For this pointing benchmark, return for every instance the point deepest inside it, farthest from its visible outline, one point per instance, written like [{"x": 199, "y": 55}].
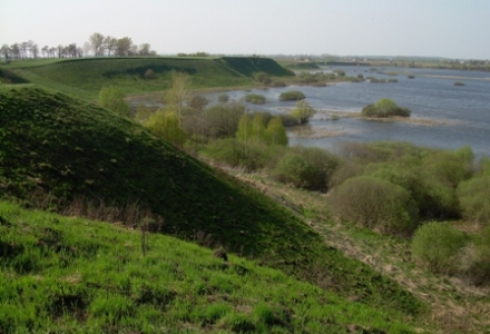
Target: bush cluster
[
  {"x": 437, "y": 246},
  {"x": 292, "y": 95},
  {"x": 384, "y": 108},
  {"x": 255, "y": 98},
  {"x": 435, "y": 180},
  {"x": 375, "y": 203}
]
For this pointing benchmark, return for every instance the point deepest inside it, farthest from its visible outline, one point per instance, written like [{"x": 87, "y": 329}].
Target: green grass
[
  {"x": 85, "y": 77},
  {"x": 74, "y": 275},
  {"x": 56, "y": 149}
]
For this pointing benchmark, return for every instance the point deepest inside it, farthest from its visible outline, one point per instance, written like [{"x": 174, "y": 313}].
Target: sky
[{"x": 455, "y": 29}]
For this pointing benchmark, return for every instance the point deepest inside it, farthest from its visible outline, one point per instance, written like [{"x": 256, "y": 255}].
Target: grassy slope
[
  {"x": 53, "y": 144},
  {"x": 85, "y": 77},
  {"x": 74, "y": 275}
]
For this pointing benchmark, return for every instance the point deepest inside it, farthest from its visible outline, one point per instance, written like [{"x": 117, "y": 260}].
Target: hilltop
[
  {"x": 61, "y": 153},
  {"x": 85, "y": 77}
]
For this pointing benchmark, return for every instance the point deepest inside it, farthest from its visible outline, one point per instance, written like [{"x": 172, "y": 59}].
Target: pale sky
[{"x": 442, "y": 28}]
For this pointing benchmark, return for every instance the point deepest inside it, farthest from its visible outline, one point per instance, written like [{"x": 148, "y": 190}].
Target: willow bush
[{"x": 376, "y": 204}]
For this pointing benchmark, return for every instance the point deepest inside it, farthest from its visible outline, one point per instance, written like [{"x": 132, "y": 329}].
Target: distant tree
[
  {"x": 123, "y": 46},
  {"x": 133, "y": 50},
  {"x": 15, "y": 49},
  {"x": 72, "y": 50},
  {"x": 110, "y": 44},
  {"x": 24, "y": 47},
  {"x": 86, "y": 48},
  {"x": 52, "y": 52},
  {"x": 34, "y": 50},
  {"x": 45, "y": 51},
  {"x": 96, "y": 41},
  {"x": 144, "y": 49},
  {"x": 112, "y": 98},
  {"x": 5, "y": 50},
  {"x": 59, "y": 51},
  {"x": 303, "y": 112},
  {"x": 80, "y": 52}
]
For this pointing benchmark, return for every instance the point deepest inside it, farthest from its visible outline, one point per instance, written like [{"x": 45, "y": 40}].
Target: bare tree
[
  {"x": 96, "y": 41},
  {"x": 110, "y": 44},
  {"x": 45, "y": 51},
  {"x": 72, "y": 50},
  {"x": 34, "y": 50},
  {"x": 79, "y": 52},
  {"x": 52, "y": 52},
  {"x": 15, "y": 48},
  {"x": 23, "y": 49},
  {"x": 59, "y": 51}
]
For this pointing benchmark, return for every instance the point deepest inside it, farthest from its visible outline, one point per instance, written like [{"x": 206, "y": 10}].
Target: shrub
[
  {"x": 263, "y": 78},
  {"x": 474, "y": 199},
  {"x": 385, "y": 108},
  {"x": 255, "y": 98},
  {"x": 149, "y": 74},
  {"x": 479, "y": 270},
  {"x": 376, "y": 204},
  {"x": 167, "y": 125},
  {"x": 234, "y": 153},
  {"x": 223, "y": 98},
  {"x": 278, "y": 83},
  {"x": 112, "y": 98},
  {"x": 325, "y": 163},
  {"x": 437, "y": 246},
  {"x": 303, "y": 112},
  {"x": 295, "y": 170},
  {"x": 345, "y": 170},
  {"x": 222, "y": 120},
  {"x": 143, "y": 113},
  {"x": 292, "y": 95}
]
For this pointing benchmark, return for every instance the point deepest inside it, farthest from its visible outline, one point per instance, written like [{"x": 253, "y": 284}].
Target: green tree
[
  {"x": 176, "y": 96},
  {"x": 166, "y": 124},
  {"x": 112, "y": 98},
  {"x": 276, "y": 133},
  {"x": 303, "y": 112}
]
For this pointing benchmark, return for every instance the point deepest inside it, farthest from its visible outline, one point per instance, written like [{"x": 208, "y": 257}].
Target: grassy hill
[
  {"x": 61, "y": 153},
  {"x": 72, "y": 275},
  {"x": 85, "y": 77}
]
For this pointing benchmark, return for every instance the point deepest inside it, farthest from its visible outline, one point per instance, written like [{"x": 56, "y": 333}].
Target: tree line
[{"x": 98, "y": 44}]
